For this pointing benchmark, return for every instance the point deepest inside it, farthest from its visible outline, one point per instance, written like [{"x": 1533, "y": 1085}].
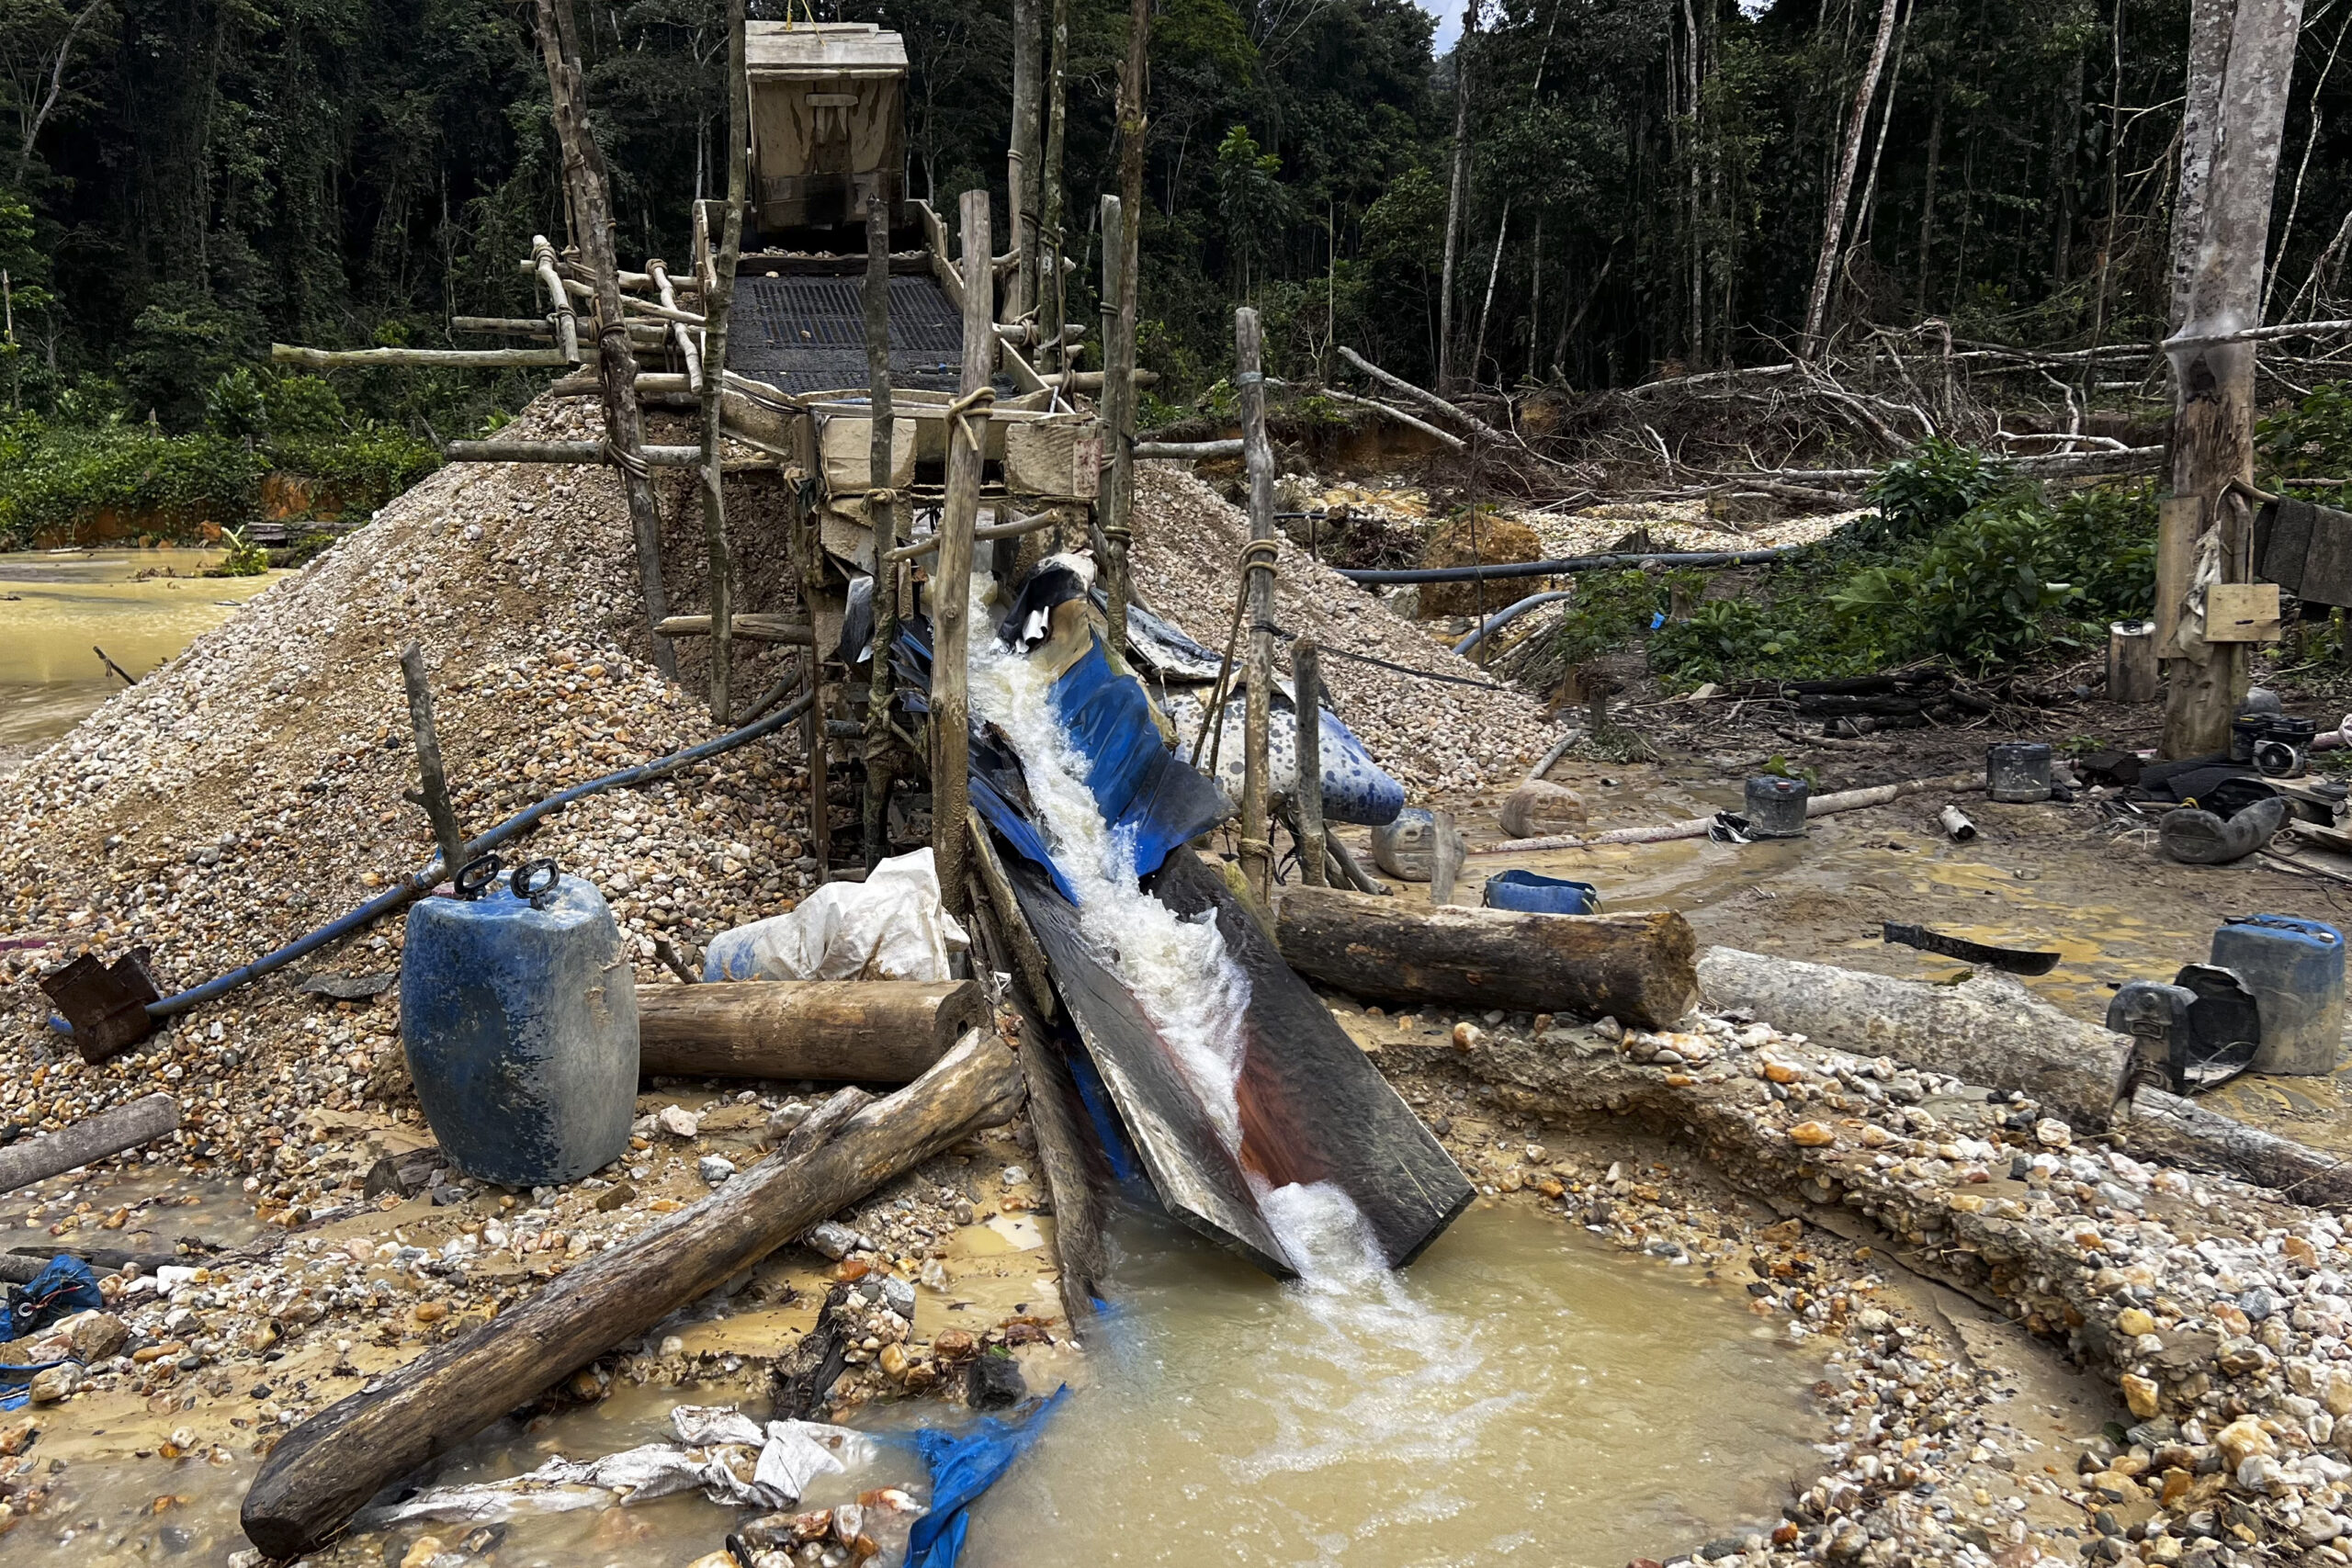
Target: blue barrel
[
  {"x": 520, "y": 1027},
  {"x": 1541, "y": 895},
  {"x": 2295, "y": 969}
]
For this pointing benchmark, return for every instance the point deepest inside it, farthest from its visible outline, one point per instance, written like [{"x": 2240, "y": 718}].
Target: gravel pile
[
  {"x": 250, "y": 791},
  {"x": 1672, "y": 526},
  {"x": 1434, "y": 737}
]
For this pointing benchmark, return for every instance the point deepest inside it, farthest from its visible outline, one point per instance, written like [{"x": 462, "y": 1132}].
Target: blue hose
[{"x": 423, "y": 882}]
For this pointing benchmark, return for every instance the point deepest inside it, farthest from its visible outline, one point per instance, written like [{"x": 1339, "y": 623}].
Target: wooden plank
[
  {"x": 2177, "y": 519},
  {"x": 2242, "y": 611},
  {"x": 1639, "y": 969},
  {"x": 888, "y": 1032},
  {"x": 753, "y": 627}
]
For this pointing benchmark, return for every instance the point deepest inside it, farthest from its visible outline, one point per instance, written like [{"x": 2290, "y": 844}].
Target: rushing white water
[{"x": 1178, "y": 969}]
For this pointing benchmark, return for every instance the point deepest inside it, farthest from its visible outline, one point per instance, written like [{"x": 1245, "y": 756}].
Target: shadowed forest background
[{"x": 188, "y": 179}]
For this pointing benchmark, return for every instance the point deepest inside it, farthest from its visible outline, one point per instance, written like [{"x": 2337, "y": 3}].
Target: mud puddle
[{"x": 141, "y": 606}]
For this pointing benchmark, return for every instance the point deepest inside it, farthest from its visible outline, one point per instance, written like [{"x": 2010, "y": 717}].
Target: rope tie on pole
[
  {"x": 979, "y": 400},
  {"x": 631, "y": 463}
]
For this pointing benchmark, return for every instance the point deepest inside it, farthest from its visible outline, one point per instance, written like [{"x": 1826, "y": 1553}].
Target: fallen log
[
  {"x": 327, "y": 1468},
  {"x": 92, "y": 1138},
  {"x": 1988, "y": 1029},
  {"x": 867, "y": 1031},
  {"x": 1699, "y": 827},
  {"x": 1426, "y": 399},
  {"x": 1635, "y": 968},
  {"x": 595, "y": 452},
  {"x": 2165, "y": 1126}
]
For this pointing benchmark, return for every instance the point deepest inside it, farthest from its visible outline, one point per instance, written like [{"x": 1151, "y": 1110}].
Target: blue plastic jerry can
[
  {"x": 518, "y": 1016},
  {"x": 2295, "y": 969}
]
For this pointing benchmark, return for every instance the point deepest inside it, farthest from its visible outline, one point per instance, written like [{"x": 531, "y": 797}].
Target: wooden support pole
[
  {"x": 1249, "y": 383},
  {"x": 2132, "y": 661},
  {"x": 1011, "y": 530},
  {"x": 1115, "y": 505},
  {"x": 433, "y": 782},
  {"x": 567, "y": 324},
  {"x": 92, "y": 1138},
  {"x": 860, "y": 1031},
  {"x": 679, "y": 334},
  {"x": 719, "y": 302},
  {"x": 443, "y": 358},
  {"x": 882, "y": 520},
  {"x": 591, "y": 190},
  {"x": 326, "y": 1470},
  {"x": 1053, "y": 299},
  {"x": 1025, "y": 156},
  {"x": 566, "y": 452},
  {"x": 951, "y": 584},
  {"x": 1306, "y": 794}
]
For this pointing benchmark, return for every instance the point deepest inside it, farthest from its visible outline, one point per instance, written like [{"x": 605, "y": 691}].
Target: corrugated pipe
[
  {"x": 415, "y": 887},
  {"x": 1562, "y": 567}
]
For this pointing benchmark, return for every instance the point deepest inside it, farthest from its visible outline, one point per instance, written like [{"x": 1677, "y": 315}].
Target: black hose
[{"x": 1571, "y": 563}]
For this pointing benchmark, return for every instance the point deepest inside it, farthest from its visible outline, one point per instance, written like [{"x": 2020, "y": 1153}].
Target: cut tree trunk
[
  {"x": 860, "y": 1031},
  {"x": 951, "y": 584},
  {"x": 1638, "y": 969},
  {"x": 717, "y": 310},
  {"x": 1457, "y": 193},
  {"x": 327, "y": 1469},
  {"x": 92, "y": 1138},
  {"x": 1988, "y": 1030},
  {"x": 2241, "y": 62}
]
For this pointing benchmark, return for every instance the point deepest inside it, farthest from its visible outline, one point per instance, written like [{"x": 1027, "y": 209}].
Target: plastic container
[
  {"x": 1776, "y": 806},
  {"x": 2295, "y": 969},
  {"x": 519, "y": 1022},
  {"x": 1541, "y": 895},
  {"x": 2018, "y": 771}
]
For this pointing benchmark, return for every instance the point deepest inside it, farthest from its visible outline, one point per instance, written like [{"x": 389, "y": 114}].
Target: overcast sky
[{"x": 1449, "y": 21}]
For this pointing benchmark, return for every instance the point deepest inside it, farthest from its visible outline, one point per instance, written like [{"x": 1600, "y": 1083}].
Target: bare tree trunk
[
  {"x": 1020, "y": 184},
  {"x": 1833, "y": 223},
  {"x": 2295, "y": 201},
  {"x": 1457, "y": 193},
  {"x": 1502, "y": 225},
  {"x": 1866, "y": 210},
  {"x": 591, "y": 190},
  {"x": 715, "y": 307},
  {"x": 1927, "y": 197},
  {"x": 2219, "y": 244}
]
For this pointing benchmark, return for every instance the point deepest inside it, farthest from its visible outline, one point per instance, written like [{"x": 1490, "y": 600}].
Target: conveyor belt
[{"x": 803, "y": 334}]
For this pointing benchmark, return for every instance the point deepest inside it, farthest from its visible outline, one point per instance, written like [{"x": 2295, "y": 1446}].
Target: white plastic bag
[{"x": 889, "y": 927}]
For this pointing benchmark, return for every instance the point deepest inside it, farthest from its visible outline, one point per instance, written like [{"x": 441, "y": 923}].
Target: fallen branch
[
  {"x": 1428, "y": 400},
  {"x": 1698, "y": 826},
  {"x": 1451, "y": 441},
  {"x": 326, "y": 1470},
  {"x": 750, "y": 625}
]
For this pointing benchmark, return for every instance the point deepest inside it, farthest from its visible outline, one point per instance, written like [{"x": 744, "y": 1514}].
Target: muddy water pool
[
  {"x": 54, "y": 607},
  {"x": 1523, "y": 1393}
]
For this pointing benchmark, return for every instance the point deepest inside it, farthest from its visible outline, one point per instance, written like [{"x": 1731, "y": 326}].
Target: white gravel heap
[
  {"x": 1432, "y": 736},
  {"x": 251, "y": 790}
]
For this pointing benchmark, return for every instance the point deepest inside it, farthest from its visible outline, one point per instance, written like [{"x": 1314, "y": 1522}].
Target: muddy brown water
[
  {"x": 54, "y": 606},
  {"x": 1523, "y": 1393}
]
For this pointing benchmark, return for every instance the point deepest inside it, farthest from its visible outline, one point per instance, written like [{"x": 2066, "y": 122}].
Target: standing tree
[{"x": 2241, "y": 64}]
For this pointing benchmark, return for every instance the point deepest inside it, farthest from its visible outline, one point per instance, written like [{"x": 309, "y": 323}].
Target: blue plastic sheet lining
[{"x": 964, "y": 1464}]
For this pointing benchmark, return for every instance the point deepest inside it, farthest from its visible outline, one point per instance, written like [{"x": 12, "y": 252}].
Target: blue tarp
[
  {"x": 64, "y": 1286},
  {"x": 963, "y": 1465}
]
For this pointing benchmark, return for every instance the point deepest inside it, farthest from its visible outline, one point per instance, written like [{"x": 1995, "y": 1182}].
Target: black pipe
[{"x": 1572, "y": 563}]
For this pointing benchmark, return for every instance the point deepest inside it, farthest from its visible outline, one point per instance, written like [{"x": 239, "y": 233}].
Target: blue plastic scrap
[
  {"x": 64, "y": 1286},
  {"x": 963, "y": 1465}
]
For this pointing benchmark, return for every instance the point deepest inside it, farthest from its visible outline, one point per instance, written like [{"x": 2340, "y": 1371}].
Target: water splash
[{"x": 1178, "y": 970}]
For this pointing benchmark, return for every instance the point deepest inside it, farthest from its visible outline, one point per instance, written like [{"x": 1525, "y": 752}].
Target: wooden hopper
[{"x": 827, "y": 122}]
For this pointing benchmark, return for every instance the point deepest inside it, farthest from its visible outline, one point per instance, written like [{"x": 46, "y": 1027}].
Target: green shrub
[
  {"x": 1938, "y": 484},
  {"x": 54, "y": 476},
  {"x": 2313, "y": 437}
]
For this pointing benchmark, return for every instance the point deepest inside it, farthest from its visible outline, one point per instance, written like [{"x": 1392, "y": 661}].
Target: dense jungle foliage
[{"x": 188, "y": 179}]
